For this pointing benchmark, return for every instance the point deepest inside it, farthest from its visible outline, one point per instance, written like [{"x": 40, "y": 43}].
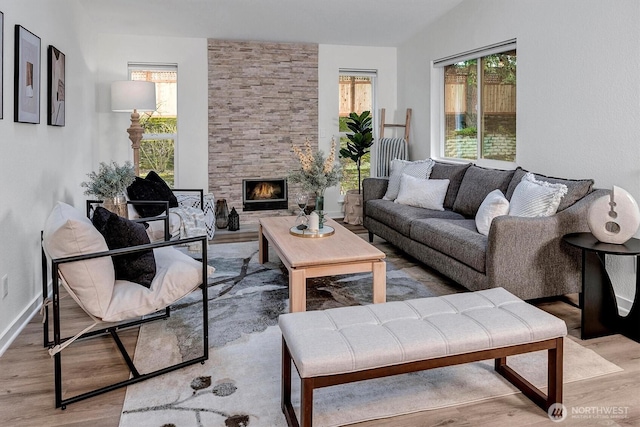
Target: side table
[{"x": 598, "y": 301}]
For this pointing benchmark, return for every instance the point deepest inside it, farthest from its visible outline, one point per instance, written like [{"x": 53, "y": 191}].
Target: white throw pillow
[
  {"x": 419, "y": 169},
  {"x": 533, "y": 198},
  {"x": 422, "y": 193},
  {"x": 69, "y": 233},
  {"x": 495, "y": 204}
]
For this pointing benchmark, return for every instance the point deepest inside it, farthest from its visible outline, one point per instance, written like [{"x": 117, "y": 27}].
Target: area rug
[{"x": 240, "y": 383}]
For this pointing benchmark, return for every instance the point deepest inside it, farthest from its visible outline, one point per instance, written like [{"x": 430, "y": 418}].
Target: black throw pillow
[
  {"x": 151, "y": 188},
  {"x": 119, "y": 232}
]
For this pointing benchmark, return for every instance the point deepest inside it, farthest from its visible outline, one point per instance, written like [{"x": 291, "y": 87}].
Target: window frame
[
  {"x": 151, "y": 66},
  {"x": 438, "y": 107},
  {"x": 373, "y": 75}
]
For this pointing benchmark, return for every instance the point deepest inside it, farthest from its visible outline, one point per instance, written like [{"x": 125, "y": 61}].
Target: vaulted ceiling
[{"x": 346, "y": 22}]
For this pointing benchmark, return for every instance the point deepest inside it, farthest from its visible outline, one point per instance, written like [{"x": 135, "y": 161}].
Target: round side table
[{"x": 598, "y": 301}]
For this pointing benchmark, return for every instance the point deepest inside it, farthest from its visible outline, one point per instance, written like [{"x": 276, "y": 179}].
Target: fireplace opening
[{"x": 264, "y": 194}]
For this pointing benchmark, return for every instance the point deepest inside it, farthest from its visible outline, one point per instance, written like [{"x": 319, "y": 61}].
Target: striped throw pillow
[{"x": 533, "y": 198}]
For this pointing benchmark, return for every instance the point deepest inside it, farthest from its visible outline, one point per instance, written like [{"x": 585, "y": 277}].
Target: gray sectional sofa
[{"x": 524, "y": 255}]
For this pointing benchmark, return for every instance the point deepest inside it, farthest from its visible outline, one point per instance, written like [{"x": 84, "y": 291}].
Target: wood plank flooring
[{"x": 27, "y": 397}]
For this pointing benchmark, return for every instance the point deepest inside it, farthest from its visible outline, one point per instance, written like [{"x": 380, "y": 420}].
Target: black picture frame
[
  {"x": 26, "y": 76},
  {"x": 56, "y": 91},
  {"x": 1, "y": 65}
]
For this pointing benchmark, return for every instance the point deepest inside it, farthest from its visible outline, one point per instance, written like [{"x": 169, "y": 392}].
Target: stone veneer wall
[{"x": 262, "y": 97}]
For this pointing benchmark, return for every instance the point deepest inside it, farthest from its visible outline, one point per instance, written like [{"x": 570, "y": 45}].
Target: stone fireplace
[
  {"x": 264, "y": 194},
  {"x": 263, "y": 97}
]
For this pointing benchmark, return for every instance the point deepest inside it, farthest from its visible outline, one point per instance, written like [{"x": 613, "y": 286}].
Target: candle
[{"x": 314, "y": 222}]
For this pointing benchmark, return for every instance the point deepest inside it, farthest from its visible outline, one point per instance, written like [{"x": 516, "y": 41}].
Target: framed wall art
[
  {"x": 27, "y": 77},
  {"x": 55, "y": 93},
  {"x": 1, "y": 65}
]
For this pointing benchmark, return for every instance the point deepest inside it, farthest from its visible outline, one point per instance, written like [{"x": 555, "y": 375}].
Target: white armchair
[{"x": 76, "y": 255}]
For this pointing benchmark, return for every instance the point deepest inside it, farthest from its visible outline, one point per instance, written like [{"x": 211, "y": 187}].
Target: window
[
  {"x": 479, "y": 104},
  {"x": 158, "y": 147},
  {"x": 356, "y": 95}
]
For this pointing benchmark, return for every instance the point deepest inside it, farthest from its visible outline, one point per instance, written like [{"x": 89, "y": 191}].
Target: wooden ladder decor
[{"x": 406, "y": 125}]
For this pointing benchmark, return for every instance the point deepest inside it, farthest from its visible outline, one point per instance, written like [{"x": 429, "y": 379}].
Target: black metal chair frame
[
  {"x": 164, "y": 217},
  {"x": 112, "y": 330}
]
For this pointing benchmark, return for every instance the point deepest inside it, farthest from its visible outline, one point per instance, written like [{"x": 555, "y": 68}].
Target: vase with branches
[
  {"x": 317, "y": 173},
  {"x": 360, "y": 141}
]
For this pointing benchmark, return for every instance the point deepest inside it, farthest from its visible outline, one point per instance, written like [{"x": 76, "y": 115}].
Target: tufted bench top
[{"x": 349, "y": 339}]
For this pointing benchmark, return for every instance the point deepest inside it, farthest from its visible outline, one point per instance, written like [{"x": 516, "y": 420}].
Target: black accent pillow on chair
[
  {"x": 151, "y": 188},
  {"x": 119, "y": 232}
]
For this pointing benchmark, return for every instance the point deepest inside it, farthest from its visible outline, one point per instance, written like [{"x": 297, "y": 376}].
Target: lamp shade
[{"x": 130, "y": 95}]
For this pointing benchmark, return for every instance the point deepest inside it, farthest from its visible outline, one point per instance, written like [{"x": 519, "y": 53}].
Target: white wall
[
  {"x": 332, "y": 58},
  {"x": 41, "y": 164},
  {"x": 115, "y": 52},
  {"x": 578, "y": 94}
]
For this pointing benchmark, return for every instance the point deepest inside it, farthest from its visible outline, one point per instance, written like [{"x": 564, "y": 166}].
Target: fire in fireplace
[{"x": 264, "y": 194}]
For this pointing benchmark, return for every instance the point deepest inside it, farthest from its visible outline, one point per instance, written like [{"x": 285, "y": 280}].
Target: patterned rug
[{"x": 240, "y": 383}]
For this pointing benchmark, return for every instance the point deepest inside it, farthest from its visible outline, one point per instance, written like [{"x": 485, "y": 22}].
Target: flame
[{"x": 265, "y": 190}]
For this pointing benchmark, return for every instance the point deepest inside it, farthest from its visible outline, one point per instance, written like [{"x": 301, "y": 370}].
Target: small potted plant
[{"x": 110, "y": 184}]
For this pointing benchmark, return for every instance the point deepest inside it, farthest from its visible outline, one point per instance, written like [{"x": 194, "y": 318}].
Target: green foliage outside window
[{"x": 158, "y": 154}]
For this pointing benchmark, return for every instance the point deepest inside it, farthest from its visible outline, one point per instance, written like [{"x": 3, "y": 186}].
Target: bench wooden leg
[
  {"x": 287, "y": 407},
  {"x": 556, "y": 373},
  {"x": 554, "y": 382},
  {"x": 306, "y": 402}
]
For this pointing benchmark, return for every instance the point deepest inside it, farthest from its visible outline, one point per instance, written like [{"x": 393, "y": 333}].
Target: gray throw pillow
[
  {"x": 119, "y": 232},
  {"x": 454, "y": 172},
  {"x": 476, "y": 184}
]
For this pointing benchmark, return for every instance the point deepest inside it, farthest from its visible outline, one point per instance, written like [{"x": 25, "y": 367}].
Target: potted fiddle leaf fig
[{"x": 360, "y": 141}]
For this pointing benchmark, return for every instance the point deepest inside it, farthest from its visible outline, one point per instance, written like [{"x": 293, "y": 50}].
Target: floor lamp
[{"x": 131, "y": 96}]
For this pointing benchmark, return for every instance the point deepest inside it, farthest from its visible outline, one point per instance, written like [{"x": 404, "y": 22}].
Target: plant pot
[
  {"x": 353, "y": 208},
  {"x": 117, "y": 205}
]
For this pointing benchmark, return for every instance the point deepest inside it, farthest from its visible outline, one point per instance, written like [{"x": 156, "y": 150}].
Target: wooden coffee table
[{"x": 341, "y": 253}]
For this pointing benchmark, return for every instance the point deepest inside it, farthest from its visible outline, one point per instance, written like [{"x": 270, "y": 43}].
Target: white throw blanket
[{"x": 192, "y": 224}]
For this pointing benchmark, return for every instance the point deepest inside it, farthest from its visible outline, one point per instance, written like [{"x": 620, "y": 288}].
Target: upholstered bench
[{"x": 347, "y": 344}]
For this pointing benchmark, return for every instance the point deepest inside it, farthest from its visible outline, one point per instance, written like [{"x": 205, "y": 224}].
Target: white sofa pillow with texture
[
  {"x": 422, "y": 193},
  {"x": 495, "y": 204},
  {"x": 533, "y": 198},
  {"x": 418, "y": 169}
]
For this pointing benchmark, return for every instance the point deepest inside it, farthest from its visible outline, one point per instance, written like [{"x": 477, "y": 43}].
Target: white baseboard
[{"x": 11, "y": 333}]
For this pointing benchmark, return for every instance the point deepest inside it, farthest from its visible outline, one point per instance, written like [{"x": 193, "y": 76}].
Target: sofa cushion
[
  {"x": 418, "y": 169},
  {"x": 399, "y": 216},
  {"x": 455, "y": 238},
  {"x": 422, "y": 193},
  {"x": 576, "y": 188},
  {"x": 476, "y": 184},
  {"x": 454, "y": 173},
  {"x": 495, "y": 204},
  {"x": 533, "y": 198}
]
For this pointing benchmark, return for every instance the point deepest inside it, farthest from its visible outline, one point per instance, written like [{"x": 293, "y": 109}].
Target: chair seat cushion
[
  {"x": 156, "y": 228},
  {"x": 177, "y": 275},
  {"x": 67, "y": 232}
]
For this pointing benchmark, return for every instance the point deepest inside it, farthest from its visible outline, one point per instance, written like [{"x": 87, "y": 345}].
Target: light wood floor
[{"x": 27, "y": 397}]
